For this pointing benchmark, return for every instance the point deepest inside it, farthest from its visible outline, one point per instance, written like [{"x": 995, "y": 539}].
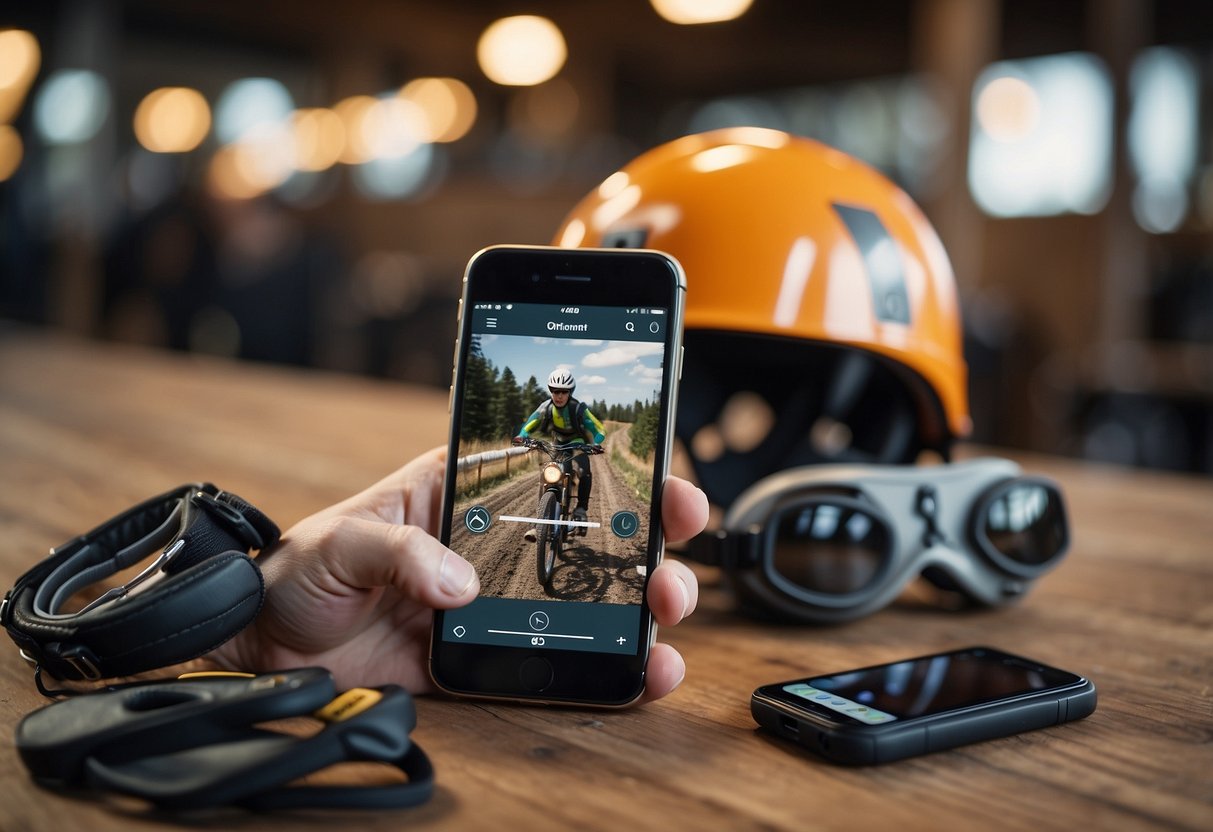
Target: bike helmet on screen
[
  {"x": 561, "y": 379},
  {"x": 818, "y": 297}
]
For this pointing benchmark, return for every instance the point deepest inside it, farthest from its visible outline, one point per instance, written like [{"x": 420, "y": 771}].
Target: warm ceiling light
[
  {"x": 172, "y": 120},
  {"x": 19, "y": 56},
  {"x": 319, "y": 138},
  {"x": 393, "y": 128},
  {"x": 521, "y": 51},
  {"x": 266, "y": 155},
  {"x": 256, "y": 164},
  {"x": 11, "y": 151},
  {"x": 228, "y": 176},
  {"x": 19, "y": 61},
  {"x": 449, "y": 106},
  {"x": 353, "y": 112},
  {"x": 700, "y": 11}
]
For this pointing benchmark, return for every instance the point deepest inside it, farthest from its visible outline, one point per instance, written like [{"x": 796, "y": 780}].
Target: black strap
[
  {"x": 726, "y": 549},
  {"x": 210, "y": 589},
  {"x": 415, "y": 764},
  {"x": 194, "y": 743}
]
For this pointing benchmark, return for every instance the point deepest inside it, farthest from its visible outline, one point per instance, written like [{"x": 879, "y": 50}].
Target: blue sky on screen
[{"x": 617, "y": 372}]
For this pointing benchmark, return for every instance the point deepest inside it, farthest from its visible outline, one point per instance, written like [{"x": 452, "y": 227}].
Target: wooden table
[{"x": 88, "y": 429}]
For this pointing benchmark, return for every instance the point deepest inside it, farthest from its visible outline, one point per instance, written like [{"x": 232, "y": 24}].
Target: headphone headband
[{"x": 210, "y": 588}]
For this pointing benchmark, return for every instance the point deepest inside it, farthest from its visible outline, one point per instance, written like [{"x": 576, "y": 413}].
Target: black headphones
[{"x": 202, "y": 587}]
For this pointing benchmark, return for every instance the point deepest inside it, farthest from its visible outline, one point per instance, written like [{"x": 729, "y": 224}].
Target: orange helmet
[{"x": 816, "y": 289}]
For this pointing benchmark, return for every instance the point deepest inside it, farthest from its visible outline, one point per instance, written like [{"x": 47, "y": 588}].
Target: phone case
[
  {"x": 871, "y": 744},
  {"x": 542, "y": 674}
]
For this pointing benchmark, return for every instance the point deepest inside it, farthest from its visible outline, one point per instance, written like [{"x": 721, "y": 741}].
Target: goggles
[{"x": 827, "y": 544}]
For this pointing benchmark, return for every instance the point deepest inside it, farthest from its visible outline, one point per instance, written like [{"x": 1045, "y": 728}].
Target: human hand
[{"x": 353, "y": 588}]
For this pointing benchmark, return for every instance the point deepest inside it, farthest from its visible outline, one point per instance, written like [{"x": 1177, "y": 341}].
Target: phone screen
[
  {"x": 926, "y": 685},
  {"x": 512, "y": 506}
]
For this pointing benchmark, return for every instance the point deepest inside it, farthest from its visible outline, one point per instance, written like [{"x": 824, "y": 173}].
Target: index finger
[{"x": 684, "y": 510}]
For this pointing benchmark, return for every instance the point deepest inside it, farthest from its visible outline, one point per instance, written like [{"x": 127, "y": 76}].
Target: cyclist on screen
[{"x": 566, "y": 420}]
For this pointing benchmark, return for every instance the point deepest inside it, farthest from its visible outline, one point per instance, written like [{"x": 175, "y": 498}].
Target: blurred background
[{"x": 302, "y": 183}]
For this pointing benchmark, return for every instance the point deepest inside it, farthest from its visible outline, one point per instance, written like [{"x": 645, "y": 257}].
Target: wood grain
[{"x": 88, "y": 429}]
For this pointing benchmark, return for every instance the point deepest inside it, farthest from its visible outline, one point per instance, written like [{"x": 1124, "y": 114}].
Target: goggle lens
[
  {"x": 830, "y": 548},
  {"x": 1026, "y": 522}
]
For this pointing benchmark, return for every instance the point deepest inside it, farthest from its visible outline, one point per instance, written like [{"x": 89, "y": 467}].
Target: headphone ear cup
[{"x": 205, "y": 606}]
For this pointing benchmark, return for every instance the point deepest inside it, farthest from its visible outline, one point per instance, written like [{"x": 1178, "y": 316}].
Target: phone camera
[{"x": 535, "y": 278}]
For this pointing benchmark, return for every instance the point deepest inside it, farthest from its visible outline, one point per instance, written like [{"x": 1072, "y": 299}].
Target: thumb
[{"x": 365, "y": 554}]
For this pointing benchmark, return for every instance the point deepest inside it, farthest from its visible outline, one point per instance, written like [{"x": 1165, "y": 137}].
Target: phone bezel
[{"x": 533, "y": 274}]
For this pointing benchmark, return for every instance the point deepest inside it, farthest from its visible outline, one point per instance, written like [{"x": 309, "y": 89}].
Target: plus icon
[{"x": 621, "y": 639}]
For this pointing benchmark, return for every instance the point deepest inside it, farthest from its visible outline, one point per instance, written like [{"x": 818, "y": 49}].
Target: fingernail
[
  {"x": 686, "y": 598},
  {"x": 455, "y": 575}
]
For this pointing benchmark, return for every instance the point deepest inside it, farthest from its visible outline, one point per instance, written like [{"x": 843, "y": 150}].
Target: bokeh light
[
  {"x": 11, "y": 151},
  {"x": 353, "y": 113},
  {"x": 448, "y": 104},
  {"x": 227, "y": 177},
  {"x": 393, "y": 127},
  {"x": 319, "y": 138},
  {"x": 248, "y": 103},
  {"x": 172, "y": 120},
  {"x": 71, "y": 106},
  {"x": 397, "y": 177},
  {"x": 1008, "y": 108},
  {"x": 690, "y": 12},
  {"x": 259, "y": 162},
  {"x": 521, "y": 51},
  {"x": 20, "y": 57},
  {"x": 1163, "y": 135},
  {"x": 1041, "y": 136}
]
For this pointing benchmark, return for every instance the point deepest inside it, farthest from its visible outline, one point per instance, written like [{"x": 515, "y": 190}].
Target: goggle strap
[{"x": 726, "y": 549}]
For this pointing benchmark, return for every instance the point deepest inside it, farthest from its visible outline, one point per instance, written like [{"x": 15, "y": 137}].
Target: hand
[{"x": 353, "y": 588}]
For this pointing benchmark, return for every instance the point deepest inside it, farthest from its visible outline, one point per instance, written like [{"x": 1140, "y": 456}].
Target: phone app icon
[
  {"x": 625, "y": 523},
  {"x": 477, "y": 519}
]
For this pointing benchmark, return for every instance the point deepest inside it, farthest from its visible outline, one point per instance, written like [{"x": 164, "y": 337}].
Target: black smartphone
[
  {"x": 892, "y": 711},
  {"x": 562, "y": 406}
]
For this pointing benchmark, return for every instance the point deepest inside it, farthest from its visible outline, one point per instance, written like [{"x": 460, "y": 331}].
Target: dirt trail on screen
[{"x": 598, "y": 567}]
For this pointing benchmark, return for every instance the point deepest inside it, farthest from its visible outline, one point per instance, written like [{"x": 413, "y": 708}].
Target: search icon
[{"x": 629, "y": 326}]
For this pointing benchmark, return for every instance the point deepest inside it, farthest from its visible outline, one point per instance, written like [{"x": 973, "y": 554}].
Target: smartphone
[
  {"x": 906, "y": 708},
  {"x": 562, "y": 406}
]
